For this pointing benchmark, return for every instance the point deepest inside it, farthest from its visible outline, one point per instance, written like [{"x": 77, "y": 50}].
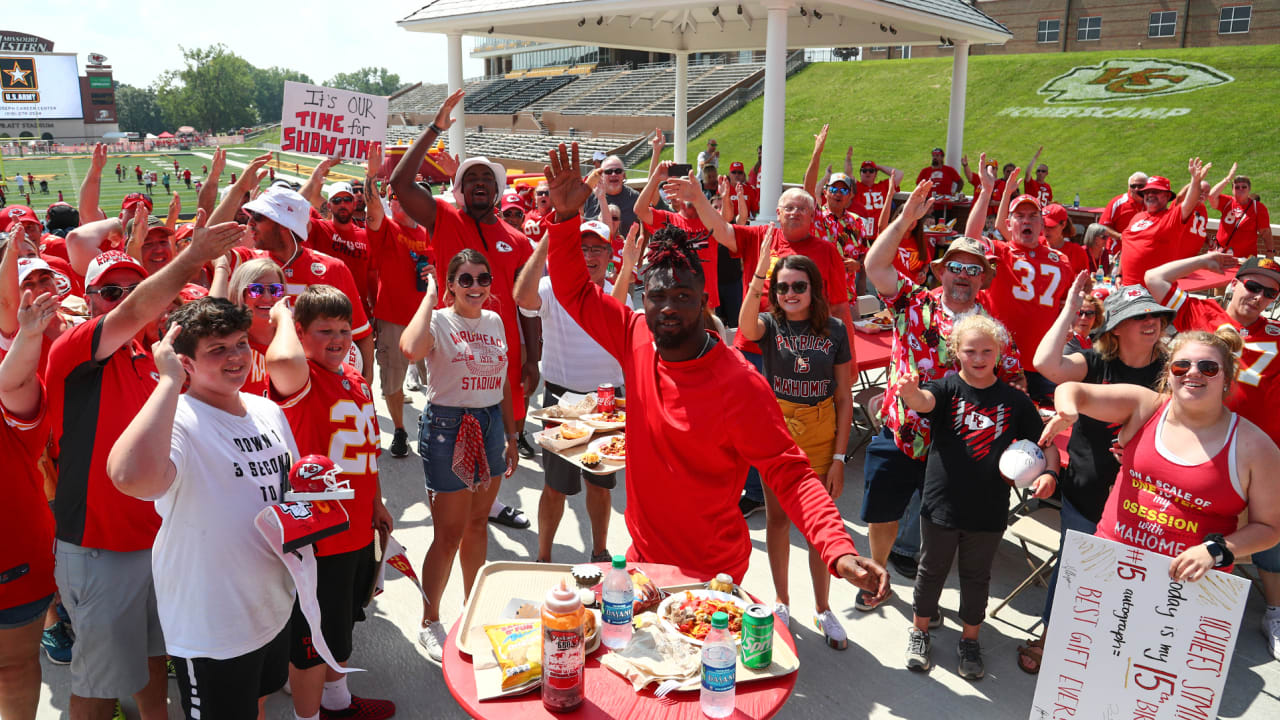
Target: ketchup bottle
[{"x": 564, "y": 656}]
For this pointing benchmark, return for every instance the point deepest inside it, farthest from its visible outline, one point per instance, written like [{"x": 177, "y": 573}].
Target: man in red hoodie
[{"x": 687, "y": 464}]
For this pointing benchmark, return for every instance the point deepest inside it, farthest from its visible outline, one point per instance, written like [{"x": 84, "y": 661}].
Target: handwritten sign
[
  {"x": 332, "y": 123},
  {"x": 1128, "y": 642}
]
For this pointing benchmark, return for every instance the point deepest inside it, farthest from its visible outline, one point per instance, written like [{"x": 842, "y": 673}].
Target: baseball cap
[
  {"x": 184, "y": 231},
  {"x": 26, "y": 266},
  {"x": 153, "y": 223},
  {"x": 1024, "y": 198},
  {"x": 499, "y": 172},
  {"x": 1127, "y": 302},
  {"x": 937, "y": 151},
  {"x": 339, "y": 188},
  {"x": 110, "y": 260},
  {"x": 1156, "y": 182},
  {"x": 737, "y": 167},
  {"x": 1054, "y": 215},
  {"x": 133, "y": 199},
  {"x": 283, "y": 207},
  {"x": 511, "y": 200},
  {"x": 18, "y": 214},
  {"x": 598, "y": 155},
  {"x": 597, "y": 228},
  {"x": 868, "y": 165},
  {"x": 1260, "y": 265},
  {"x": 191, "y": 291},
  {"x": 842, "y": 178}
]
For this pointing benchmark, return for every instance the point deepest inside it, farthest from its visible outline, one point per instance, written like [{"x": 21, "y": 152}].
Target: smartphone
[{"x": 679, "y": 170}]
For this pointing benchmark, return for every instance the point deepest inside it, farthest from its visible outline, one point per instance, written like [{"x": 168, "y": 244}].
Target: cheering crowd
[{"x": 158, "y": 383}]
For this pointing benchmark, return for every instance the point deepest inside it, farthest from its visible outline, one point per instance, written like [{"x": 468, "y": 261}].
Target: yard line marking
[{"x": 75, "y": 179}]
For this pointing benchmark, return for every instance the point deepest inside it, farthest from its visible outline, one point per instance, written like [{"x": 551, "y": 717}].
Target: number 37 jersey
[
  {"x": 1028, "y": 291},
  {"x": 333, "y": 415}
]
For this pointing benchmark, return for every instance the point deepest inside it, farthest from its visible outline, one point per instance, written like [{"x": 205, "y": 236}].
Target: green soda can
[{"x": 757, "y": 637}]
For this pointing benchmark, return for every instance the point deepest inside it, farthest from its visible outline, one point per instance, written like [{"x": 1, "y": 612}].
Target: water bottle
[
  {"x": 1076, "y": 204},
  {"x": 618, "y": 597},
  {"x": 719, "y": 669}
]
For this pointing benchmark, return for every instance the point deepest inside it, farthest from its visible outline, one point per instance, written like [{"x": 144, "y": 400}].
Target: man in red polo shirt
[
  {"x": 475, "y": 225},
  {"x": 689, "y": 218},
  {"x": 102, "y": 374},
  {"x": 1120, "y": 211},
  {"x": 1244, "y": 220},
  {"x": 945, "y": 179},
  {"x": 1157, "y": 235}
]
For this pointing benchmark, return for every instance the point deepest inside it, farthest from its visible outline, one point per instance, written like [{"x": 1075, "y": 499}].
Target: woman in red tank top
[{"x": 1190, "y": 466}]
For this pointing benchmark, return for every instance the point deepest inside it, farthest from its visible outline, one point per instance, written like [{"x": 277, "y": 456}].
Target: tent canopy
[{"x": 165, "y": 134}]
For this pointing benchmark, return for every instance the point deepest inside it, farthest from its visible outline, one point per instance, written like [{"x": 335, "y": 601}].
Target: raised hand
[
  {"x": 211, "y": 243},
  {"x": 444, "y": 116},
  {"x": 166, "y": 358},
  {"x": 374, "y": 164},
  {"x": 566, "y": 188},
  {"x": 820, "y": 140},
  {"x": 687, "y": 189},
  {"x": 633, "y": 246},
  {"x": 1198, "y": 170},
  {"x": 988, "y": 173},
  {"x": 322, "y": 169},
  {"x": 281, "y": 312},
  {"x": 659, "y": 142},
  {"x": 99, "y": 159},
  {"x": 218, "y": 164},
  {"x": 1079, "y": 288},
  {"x": 448, "y": 163},
  {"x": 920, "y": 202},
  {"x": 766, "y": 250},
  {"x": 722, "y": 187},
  {"x": 35, "y": 314},
  {"x": 1219, "y": 262}
]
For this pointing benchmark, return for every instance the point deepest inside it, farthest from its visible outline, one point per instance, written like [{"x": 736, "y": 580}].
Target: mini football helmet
[{"x": 316, "y": 477}]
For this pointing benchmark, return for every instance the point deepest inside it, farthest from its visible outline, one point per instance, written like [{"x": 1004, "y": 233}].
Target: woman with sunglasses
[
  {"x": 468, "y": 431},
  {"x": 809, "y": 365},
  {"x": 1127, "y": 349},
  {"x": 257, "y": 284},
  {"x": 1088, "y": 318},
  {"x": 1189, "y": 463}
]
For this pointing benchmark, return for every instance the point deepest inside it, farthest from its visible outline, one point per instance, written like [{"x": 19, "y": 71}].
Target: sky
[{"x": 320, "y": 37}]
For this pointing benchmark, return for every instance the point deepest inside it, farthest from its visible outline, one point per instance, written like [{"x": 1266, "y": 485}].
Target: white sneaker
[
  {"x": 412, "y": 383},
  {"x": 1271, "y": 630},
  {"x": 830, "y": 626},
  {"x": 784, "y": 614},
  {"x": 432, "y": 638}
]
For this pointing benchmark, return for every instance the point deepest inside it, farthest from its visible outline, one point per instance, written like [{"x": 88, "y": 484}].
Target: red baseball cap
[
  {"x": 191, "y": 291},
  {"x": 1024, "y": 198},
  {"x": 1054, "y": 215},
  {"x": 133, "y": 199},
  {"x": 18, "y": 213},
  {"x": 868, "y": 165},
  {"x": 1155, "y": 182},
  {"x": 512, "y": 200},
  {"x": 737, "y": 167}
]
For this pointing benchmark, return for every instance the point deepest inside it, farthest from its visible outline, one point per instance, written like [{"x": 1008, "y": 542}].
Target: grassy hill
[{"x": 895, "y": 111}]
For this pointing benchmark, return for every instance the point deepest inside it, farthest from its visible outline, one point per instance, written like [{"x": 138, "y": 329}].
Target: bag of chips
[{"x": 517, "y": 646}]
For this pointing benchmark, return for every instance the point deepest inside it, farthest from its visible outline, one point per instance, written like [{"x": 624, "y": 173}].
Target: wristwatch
[
  {"x": 1216, "y": 544},
  {"x": 838, "y": 456}
]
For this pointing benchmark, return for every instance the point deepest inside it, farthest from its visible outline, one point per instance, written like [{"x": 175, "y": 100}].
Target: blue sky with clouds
[{"x": 319, "y": 37}]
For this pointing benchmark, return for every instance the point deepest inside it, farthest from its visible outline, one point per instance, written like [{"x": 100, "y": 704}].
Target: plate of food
[
  {"x": 688, "y": 613},
  {"x": 606, "y": 421},
  {"x": 562, "y": 437},
  {"x": 612, "y": 448}
]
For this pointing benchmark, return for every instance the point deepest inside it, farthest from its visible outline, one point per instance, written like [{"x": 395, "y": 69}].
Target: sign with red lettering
[
  {"x": 1126, "y": 641},
  {"x": 331, "y": 123}
]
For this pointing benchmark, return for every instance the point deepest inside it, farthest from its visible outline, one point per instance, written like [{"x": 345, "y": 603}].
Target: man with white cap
[
  {"x": 101, "y": 374},
  {"x": 341, "y": 236},
  {"x": 474, "y": 224},
  {"x": 1159, "y": 234},
  {"x": 613, "y": 177}
]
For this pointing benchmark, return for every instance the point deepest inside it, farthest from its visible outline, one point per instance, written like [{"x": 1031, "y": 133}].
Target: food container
[{"x": 554, "y": 438}]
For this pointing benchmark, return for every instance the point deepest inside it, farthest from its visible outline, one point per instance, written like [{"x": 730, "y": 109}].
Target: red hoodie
[{"x": 686, "y": 465}]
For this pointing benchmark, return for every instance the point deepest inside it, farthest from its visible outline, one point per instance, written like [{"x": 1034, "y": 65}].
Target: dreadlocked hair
[{"x": 672, "y": 248}]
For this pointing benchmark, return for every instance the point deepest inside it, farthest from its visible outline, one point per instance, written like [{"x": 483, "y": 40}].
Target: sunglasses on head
[
  {"x": 1086, "y": 313},
  {"x": 1207, "y": 368},
  {"x": 465, "y": 280},
  {"x": 112, "y": 293},
  {"x": 612, "y": 171},
  {"x": 798, "y": 287},
  {"x": 341, "y": 200},
  {"x": 960, "y": 268},
  {"x": 837, "y": 190},
  {"x": 1257, "y": 288},
  {"x": 256, "y": 290}
]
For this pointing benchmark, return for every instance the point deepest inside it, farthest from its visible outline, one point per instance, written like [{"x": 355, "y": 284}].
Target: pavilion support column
[
  {"x": 457, "y": 133},
  {"x": 955, "y": 116},
  {"x": 775, "y": 109},
  {"x": 681, "y": 152}
]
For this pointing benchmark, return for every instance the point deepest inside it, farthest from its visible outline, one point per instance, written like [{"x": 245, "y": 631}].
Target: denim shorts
[
  {"x": 24, "y": 614},
  {"x": 437, "y": 435}
]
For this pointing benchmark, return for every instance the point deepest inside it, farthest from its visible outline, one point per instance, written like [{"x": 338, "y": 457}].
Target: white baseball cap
[
  {"x": 283, "y": 207},
  {"x": 597, "y": 228},
  {"x": 499, "y": 172},
  {"x": 26, "y": 266},
  {"x": 341, "y": 187},
  {"x": 110, "y": 260}
]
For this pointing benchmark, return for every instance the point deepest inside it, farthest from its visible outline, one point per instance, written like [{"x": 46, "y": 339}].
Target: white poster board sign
[
  {"x": 332, "y": 123},
  {"x": 1128, "y": 642}
]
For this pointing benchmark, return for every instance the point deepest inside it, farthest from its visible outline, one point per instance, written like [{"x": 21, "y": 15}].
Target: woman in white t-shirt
[{"x": 467, "y": 432}]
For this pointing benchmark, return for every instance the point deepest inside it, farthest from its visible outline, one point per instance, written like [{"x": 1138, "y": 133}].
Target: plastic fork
[{"x": 665, "y": 687}]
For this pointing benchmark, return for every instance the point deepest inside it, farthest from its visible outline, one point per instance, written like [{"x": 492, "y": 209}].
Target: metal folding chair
[{"x": 1042, "y": 530}]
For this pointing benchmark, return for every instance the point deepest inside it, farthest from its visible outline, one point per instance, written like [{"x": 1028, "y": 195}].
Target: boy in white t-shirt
[{"x": 212, "y": 459}]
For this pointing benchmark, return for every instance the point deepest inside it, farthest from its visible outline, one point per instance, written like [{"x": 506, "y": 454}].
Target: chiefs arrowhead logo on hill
[{"x": 1130, "y": 79}]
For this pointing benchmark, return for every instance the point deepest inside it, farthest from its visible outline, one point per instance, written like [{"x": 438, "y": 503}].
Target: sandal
[
  {"x": 1032, "y": 653},
  {"x": 510, "y": 517}
]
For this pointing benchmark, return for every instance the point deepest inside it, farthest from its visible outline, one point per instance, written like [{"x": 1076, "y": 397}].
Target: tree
[
  {"x": 374, "y": 81},
  {"x": 138, "y": 110},
  {"x": 214, "y": 92},
  {"x": 268, "y": 93}
]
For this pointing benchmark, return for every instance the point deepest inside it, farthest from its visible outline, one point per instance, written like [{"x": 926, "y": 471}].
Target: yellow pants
[{"x": 813, "y": 427}]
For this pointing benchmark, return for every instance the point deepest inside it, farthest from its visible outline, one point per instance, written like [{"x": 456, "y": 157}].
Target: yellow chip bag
[{"x": 517, "y": 646}]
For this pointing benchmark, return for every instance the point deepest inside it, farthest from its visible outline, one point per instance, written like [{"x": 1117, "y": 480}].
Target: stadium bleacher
[{"x": 531, "y": 147}]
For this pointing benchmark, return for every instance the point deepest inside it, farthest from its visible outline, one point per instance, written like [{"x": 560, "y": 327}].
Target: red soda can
[{"x": 605, "y": 399}]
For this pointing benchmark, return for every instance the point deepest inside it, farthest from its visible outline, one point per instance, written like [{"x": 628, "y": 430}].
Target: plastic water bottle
[
  {"x": 618, "y": 596},
  {"x": 1076, "y": 204},
  {"x": 719, "y": 669}
]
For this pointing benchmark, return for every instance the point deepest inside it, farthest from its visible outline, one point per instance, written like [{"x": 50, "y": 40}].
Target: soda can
[
  {"x": 605, "y": 399},
  {"x": 757, "y": 637}
]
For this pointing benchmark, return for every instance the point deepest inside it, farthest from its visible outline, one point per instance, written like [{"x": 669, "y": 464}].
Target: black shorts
[
  {"x": 342, "y": 585},
  {"x": 891, "y": 479},
  {"x": 561, "y": 475},
  {"x": 217, "y": 689}
]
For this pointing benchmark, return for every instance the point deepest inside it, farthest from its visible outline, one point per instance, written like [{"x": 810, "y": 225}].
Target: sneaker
[
  {"x": 971, "y": 667},
  {"x": 863, "y": 601},
  {"x": 361, "y": 709},
  {"x": 432, "y": 638},
  {"x": 830, "y": 626},
  {"x": 935, "y": 622},
  {"x": 57, "y": 644},
  {"x": 400, "y": 443},
  {"x": 169, "y": 668},
  {"x": 510, "y": 517},
  {"x": 62, "y": 614},
  {"x": 119, "y": 713},
  {"x": 784, "y": 614},
  {"x": 412, "y": 383},
  {"x": 749, "y": 507},
  {"x": 524, "y": 448},
  {"x": 1271, "y": 631},
  {"x": 906, "y": 565},
  {"x": 918, "y": 651}
]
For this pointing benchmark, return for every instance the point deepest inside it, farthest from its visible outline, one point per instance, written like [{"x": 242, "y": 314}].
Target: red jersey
[
  {"x": 1162, "y": 503},
  {"x": 90, "y": 404},
  {"x": 752, "y": 194},
  {"x": 1239, "y": 226},
  {"x": 396, "y": 250},
  {"x": 346, "y": 241},
  {"x": 257, "y": 383},
  {"x": 822, "y": 253},
  {"x": 1076, "y": 255},
  {"x": 25, "y": 518},
  {"x": 1153, "y": 239},
  {"x": 1040, "y": 191},
  {"x": 946, "y": 181},
  {"x": 1120, "y": 211},
  {"x": 312, "y": 267},
  {"x": 1256, "y": 392},
  {"x": 868, "y": 203},
  {"x": 333, "y": 415},
  {"x": 708, "y": 253},
  {"x": 1029, "y": 289}
]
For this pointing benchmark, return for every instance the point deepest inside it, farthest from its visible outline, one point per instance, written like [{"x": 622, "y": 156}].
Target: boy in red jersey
[{"x": 330, "y": 409}]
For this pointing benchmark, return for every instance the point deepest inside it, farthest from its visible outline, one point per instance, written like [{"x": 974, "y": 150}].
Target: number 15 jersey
[{"x": 333, "y": 415}]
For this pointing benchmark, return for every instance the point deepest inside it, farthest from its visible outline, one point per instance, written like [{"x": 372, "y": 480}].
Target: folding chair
[
  {"x": 1042, "y": 529},
  {"x": 866, "y": 418}
]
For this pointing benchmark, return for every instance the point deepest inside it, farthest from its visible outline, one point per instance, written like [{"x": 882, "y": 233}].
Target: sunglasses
[
  {"x": 465, "y": 280},
  {"x": 341, "y": 200},
  {"x": 112, "y": 293},
  {"x": 1086, "y": 313},
  {"x": 596, "y": 249},
  {"x": 1257, "y": 288},
  {"x": 1137, "y": 186},
  {"x": 798, "y": 287},
  {"x": 612, "y": 171},
  {"x": 1207, "y": 368},
  {"x": 541, "y": 193},
  {"x": 256, "y": 290},
  {"x": 869, "y": 171},
  {"x": 960, "y": 268},
  {"x": 255, "y": 216},
  {"x": 513, "y": 213},
  {"x": 837, "y": 190}
]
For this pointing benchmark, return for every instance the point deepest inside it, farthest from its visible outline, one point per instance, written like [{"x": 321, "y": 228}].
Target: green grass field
[{"x": 895, "y": 111}]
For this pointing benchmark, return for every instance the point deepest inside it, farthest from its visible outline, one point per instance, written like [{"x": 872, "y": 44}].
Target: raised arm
[
  {"x": 749, "y": 323},
  {"x": 208, "y": 196},
  {"x": 247, "y": 181},
  {"x": 1121, "y": 403},
  {"x": 91, "y": 186},
  {"x": 644, "y": 203},
  {"x": 886, "y": 212},
  {"x": 85, "y": 242},
  {"x": 286, "y": 360},
  {"x": 416, "y": 341},
  {"x": 658, "y": 143},
  {"x": 139, "y": 463},
  {"x": 526, "y": 288},
  {"x": 10, "y": 291},
  {"x": 19, "y": 376},
  {"x": 1198, "y": 172},
  {"x": 1049, "y": 360},
  {"x": 1216, "y": 190},
  {"x": 815, "y": 162},
  {"x": 373, "y": 210},
  {"x": 1002, "y": 211},
  {"x": 1160, "y": 280},
  {"x": 879, "y": 260},
  {"x": 915, "y": 397},
  {"x": 416, "y": 199},
  {"x": 1031, "y": 168},
  {"x": 632, "y": 248},
  {"x": 690, "y": 190},
  {"x": 978, "y": 213}
]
